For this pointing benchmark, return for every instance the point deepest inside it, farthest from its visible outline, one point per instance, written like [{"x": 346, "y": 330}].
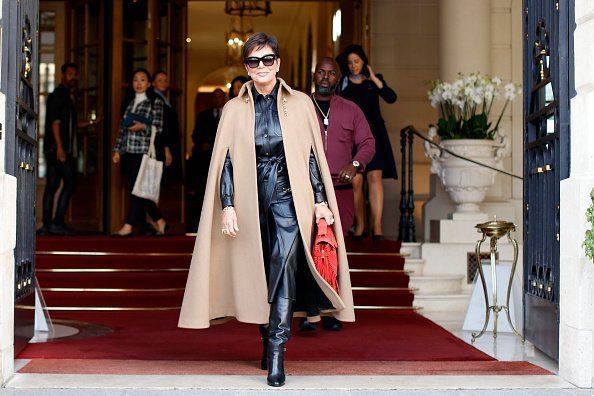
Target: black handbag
[{"x": 131, "y": 117}]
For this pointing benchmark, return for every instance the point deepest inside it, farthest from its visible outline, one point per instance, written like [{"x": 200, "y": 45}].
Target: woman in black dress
[{"x": 362, "y": 86}]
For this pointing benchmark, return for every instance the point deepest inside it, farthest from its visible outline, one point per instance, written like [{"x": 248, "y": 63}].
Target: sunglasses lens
[
  {"x": 253, "y": 62},
  {"x": 268, "y": 60}
]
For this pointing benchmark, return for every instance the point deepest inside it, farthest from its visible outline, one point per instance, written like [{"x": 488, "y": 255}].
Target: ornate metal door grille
[
  {"x": 548, "y": 82},
  {"x": 19, "y": 82}
]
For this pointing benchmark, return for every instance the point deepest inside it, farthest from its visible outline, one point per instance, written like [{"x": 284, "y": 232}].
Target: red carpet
[
  {"x": 376, "y": 335},
  {"x": 169, "y": 367},
  {"x": 152, "y": 272}
]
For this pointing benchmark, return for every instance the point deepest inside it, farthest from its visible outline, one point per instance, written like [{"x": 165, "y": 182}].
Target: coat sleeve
[
  {"x": 226, "y": 185},
  {"x": 387, "y": 93},
  {"x": 157, "y": 110},
  {"x": 122, "y": 131},
  {"x": 316, "y": 179}
]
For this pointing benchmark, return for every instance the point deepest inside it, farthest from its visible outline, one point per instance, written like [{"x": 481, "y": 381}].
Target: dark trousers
[
  {"x": 138, "y": 206},
  {"x": 58, "y": 172},
  {"x": 345, "y": 198}
]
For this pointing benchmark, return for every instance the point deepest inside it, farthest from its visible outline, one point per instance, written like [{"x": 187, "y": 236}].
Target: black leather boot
[
  {"x": 279, "y": 332},
  {"x": 264, "y": 335},
  {"x": 276, "y": 366}
]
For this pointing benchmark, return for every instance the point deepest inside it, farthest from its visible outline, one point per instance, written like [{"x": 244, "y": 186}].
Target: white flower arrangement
[{"x": 465, "y": 105}]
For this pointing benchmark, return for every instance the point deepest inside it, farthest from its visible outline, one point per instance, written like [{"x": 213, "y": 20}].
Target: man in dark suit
[{"x": 203, "y": 138}]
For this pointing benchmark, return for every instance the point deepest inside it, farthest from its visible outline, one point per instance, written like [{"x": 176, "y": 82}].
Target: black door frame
[
  {"x": 20, "y": 85},
  {"x": 548, "y": 84}
]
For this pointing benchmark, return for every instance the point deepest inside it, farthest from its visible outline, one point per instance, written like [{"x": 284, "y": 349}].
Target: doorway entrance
[{"x": 186, "y": 39}]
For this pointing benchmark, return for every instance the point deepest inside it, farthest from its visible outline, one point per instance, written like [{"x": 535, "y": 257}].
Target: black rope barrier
[
  {"x": 413, "y": 130},
  {"x": 406, "y": 232}
]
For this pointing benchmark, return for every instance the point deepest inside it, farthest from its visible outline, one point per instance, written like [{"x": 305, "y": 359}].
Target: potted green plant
[
  {"x": 465, "y": 127},
  {"x": 589, "y": 238}
]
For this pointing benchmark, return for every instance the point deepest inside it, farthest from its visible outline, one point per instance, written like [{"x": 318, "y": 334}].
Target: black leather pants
[{"x": 281, "y": 245}]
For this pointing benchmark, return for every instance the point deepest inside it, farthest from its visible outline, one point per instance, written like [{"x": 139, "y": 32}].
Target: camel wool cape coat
[{"x": 227, "y": 276}]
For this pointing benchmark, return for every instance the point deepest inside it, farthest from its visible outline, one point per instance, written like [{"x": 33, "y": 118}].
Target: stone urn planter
[{"x": 467, "y": 183}]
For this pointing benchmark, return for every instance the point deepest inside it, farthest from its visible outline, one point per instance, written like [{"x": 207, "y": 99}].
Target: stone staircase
[{"x": 439, "y": 297}]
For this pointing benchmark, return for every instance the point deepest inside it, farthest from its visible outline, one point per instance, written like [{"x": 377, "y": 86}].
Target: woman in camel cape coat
[{"x": 227, "y": 276}]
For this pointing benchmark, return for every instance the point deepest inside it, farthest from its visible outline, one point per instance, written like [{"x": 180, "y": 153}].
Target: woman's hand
[
  {"x": 322, "y": 211},
  {"x": 229, "y": 222},
  {"x": 138, "y": 126},
  {"x": 374, "y": 78},
  {"x": 116, "y": 158}
]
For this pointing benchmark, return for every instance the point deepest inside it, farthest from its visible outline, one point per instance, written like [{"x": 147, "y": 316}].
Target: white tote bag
[{"x": 148, "y": 181}]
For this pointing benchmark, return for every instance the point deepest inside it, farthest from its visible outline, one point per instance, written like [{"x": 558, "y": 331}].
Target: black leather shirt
[{"x": 273, "y": 176}]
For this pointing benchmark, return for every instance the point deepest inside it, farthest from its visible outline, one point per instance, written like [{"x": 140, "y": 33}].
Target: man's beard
[{"x": 325, "y": 91}]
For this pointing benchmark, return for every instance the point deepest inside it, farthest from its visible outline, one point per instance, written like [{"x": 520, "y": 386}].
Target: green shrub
[{"x": 589, "y": 240}]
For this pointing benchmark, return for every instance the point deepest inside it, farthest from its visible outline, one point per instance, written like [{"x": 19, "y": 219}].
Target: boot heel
[{"x": 276, "y": 367}]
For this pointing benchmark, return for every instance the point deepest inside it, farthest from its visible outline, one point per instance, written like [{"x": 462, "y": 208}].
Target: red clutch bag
[{"x": 325, "y": 254}]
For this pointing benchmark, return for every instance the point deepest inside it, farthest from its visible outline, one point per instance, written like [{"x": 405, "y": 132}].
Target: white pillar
[
  {"x": 576, "y": 338},
  {"x": 8, "y": 188},
  {"x": 464, "y": 37}
]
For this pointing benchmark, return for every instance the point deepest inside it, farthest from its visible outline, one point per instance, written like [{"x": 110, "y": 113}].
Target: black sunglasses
[{"x": 253, "y": 62}]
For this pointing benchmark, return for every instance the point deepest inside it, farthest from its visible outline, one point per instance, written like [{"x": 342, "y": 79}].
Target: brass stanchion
[{"x": 496, "y": 229}]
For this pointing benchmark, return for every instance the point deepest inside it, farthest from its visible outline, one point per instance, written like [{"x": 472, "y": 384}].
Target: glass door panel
[{"x": 86, "y": 206}]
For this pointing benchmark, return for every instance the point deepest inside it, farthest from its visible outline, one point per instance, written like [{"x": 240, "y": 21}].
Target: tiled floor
[{"x": 509, "y": 347}]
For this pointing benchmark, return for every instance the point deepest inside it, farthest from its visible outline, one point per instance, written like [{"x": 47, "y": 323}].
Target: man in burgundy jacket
[
  {"x": 349, "y": 146},
  {"x": 348, "y": 142}
]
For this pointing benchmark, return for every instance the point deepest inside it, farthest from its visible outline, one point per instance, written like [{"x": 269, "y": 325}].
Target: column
[
  {"x": 576, "y": 327},
  {"x": 464, "y": 37}
]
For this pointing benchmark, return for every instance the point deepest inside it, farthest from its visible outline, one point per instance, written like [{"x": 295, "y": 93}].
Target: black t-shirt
[{"x": 61, "y": 108}]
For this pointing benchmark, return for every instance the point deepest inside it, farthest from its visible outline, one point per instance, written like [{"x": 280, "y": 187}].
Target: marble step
[
  {"x": 414, "y": 265},
  {"x": 442, "y": 302},
  {"x": 444, "y": 316},
  {"x": 449, "y": 320},
  {"x": 437, "y": 284},
  {"x": 411, "y": 250}
]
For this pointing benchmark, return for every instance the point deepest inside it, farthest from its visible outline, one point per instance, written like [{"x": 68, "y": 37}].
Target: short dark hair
[
  {"x": 329, "y": 60},
  {"x": 160, "y": 71},
  {"x": 260, "y": 40},
  {"x": 67, "y": 66}
]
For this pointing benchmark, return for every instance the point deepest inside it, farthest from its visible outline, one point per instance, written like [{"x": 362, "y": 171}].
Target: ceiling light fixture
[
  {"x": 252, "y": 8},
  {"x": 236, "y": 38}
]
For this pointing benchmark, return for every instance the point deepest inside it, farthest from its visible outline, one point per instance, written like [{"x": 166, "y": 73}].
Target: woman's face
[
  {"x": 263, "y": 74},
  {"x": 355, "y": 63},
  {"x": 236, "y": 87},
  {"x": 161, "y": 82},
  {"x": 140, "y": 82}
]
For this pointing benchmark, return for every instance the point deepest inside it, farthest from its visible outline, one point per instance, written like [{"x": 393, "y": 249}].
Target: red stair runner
[{"x": 99, "y": 272}]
